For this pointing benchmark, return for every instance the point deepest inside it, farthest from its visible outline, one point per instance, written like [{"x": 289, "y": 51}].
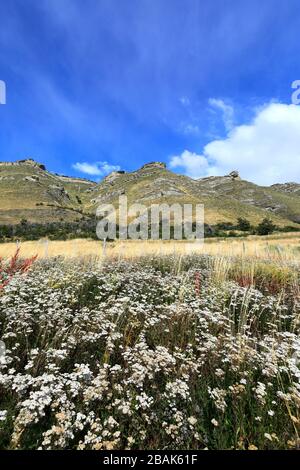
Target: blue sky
[{"x": 124, "y": 82}]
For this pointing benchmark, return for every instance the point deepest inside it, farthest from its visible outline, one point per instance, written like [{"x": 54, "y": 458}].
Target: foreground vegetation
[{"x": 188, "y": 352}]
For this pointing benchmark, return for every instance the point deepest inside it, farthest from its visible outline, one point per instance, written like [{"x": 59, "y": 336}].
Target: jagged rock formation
[
  {"x": 113, "y": 175},
  {"x": 58, "y": 193},
  {"x": 28, "y": 161},
  {"x": 291, "y": 188},
  {"x": 234, "y": 175},
  {"x": 150, "y": 165}
]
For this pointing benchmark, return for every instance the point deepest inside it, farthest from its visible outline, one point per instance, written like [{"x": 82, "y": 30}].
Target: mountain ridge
[{"x": 29, "y": 191}]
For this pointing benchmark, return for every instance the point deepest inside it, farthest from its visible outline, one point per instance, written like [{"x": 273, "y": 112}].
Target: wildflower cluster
[{"x": 133, "y": 355}]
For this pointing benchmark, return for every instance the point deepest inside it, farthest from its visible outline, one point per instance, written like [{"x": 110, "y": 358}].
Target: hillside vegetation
[{"x": 28, "y": 191}]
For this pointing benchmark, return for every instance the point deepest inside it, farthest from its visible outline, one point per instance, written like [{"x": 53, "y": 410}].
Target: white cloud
[
  {"x": 194, "y": 165},
  {"x": 227, "y": 112},
  {"x": 95, "y": 169},
  {"x": 265, "y": 151}
]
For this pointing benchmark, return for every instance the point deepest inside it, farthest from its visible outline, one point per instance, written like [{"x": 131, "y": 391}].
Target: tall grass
[{"x": 279, "y": 248}]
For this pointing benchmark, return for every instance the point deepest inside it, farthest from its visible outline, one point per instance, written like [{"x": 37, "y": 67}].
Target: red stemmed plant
[{"x": 15, "y": 265}]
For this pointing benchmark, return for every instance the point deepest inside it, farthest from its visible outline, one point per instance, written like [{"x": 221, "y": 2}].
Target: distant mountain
[{"x": 28, "y": 191}]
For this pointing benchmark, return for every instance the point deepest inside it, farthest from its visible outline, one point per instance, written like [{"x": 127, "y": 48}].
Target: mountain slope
[
  {"x": 279, "y": 203},
  {"x": 29, "y": 191},
  {"x": 225, "y": 198}
]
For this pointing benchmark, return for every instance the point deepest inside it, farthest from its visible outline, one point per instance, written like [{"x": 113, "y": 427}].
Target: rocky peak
[
  {"x": 113, "y": 176},
  {"x": 234, "y": 175},
  {"x": 150, "y": 165},
  {"x": 26, "y": 161},
  {"x": 31, "y": 162}
]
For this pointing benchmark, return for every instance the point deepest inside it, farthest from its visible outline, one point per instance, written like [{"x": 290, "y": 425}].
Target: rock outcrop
[
  {"x": 150, "y": 165},
  {"x": 32, "y": 178},
  {"x": 293, "y": 188},
  {"x": 113, "y": 176},
  {"x": 58, "y": 193},
  {"x": 234, "y": 175},
  {"x": 26, "y": 161}
]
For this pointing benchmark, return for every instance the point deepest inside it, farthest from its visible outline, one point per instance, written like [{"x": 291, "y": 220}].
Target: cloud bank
[
  {"x": 95, "y": 169},
  {"x": 266, "y": 151}
]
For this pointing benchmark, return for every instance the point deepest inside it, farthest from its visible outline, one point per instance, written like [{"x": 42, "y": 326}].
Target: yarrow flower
[
  {"x": 125, "y": 354},
  {"x": 215, "y": 422},
  {"x": 3, "y": 414}
]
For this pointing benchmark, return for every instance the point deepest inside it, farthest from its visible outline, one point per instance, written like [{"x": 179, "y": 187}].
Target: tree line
[{"x": 86, "y": 228}]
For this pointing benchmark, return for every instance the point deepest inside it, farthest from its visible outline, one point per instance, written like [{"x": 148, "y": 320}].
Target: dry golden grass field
[{"x": 274, "y": 247}]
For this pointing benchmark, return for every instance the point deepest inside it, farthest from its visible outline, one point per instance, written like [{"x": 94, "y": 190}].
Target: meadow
[
  {"x": 151, "y": 346},
  {"x": 276, "y": 246}
]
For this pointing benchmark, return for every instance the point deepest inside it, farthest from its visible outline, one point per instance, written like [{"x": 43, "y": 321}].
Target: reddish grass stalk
[
  {"x": 14, "y": 266},
  {"x": 197, "y": 283}
]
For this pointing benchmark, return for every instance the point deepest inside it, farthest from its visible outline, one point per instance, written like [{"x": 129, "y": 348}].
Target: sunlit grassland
[{"x": 277, "y": 247}]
